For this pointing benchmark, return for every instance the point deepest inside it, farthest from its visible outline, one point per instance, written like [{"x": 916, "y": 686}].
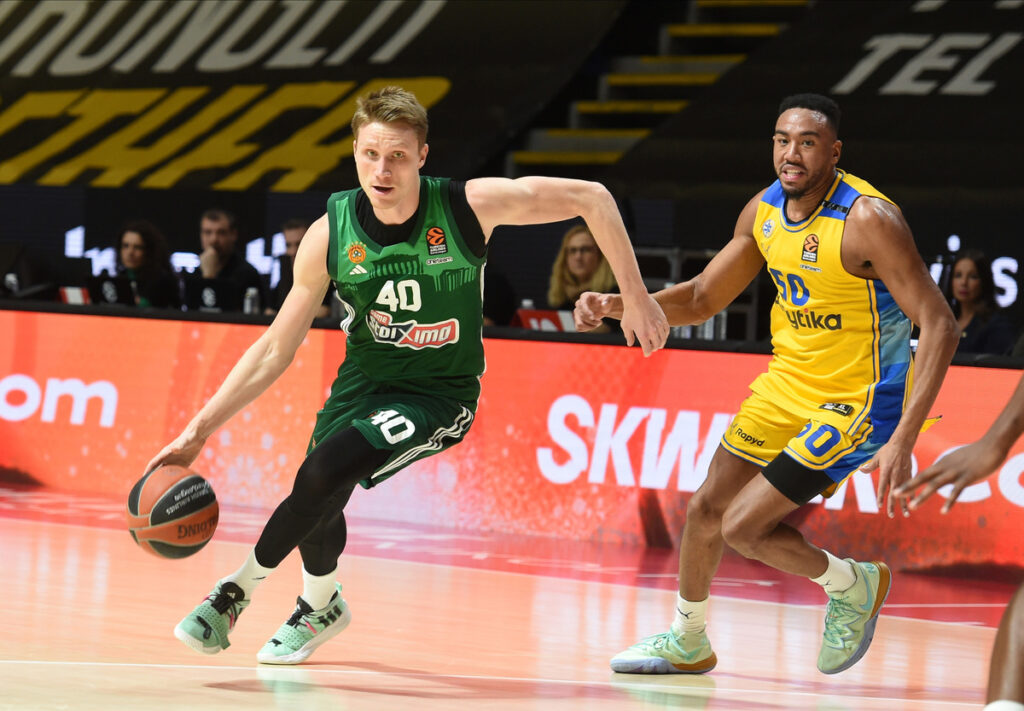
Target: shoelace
[
  {"x": 837, "y": 614},
  {"x": 222, "y": 602},
  {"x": 293, "y": 621}
]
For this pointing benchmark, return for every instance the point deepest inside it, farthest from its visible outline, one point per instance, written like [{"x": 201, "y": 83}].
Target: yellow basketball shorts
[{"x": 762, "y": 430}]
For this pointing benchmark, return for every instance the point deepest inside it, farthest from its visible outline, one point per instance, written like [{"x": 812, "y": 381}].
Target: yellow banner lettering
[
  {"x": 306, "y": 158},
  {"x": 35, "y": 105},
  {"x": 226, "y": 147},
  {"x": 95, "y": 110},
  {"x": 122, "y": 160}
]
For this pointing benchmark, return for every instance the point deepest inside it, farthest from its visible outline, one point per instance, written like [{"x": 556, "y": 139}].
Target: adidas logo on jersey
[{"x": 357, "y": 269}]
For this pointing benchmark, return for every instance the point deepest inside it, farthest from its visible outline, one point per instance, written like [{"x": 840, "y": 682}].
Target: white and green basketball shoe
[
  {"x": 206, "y": 628},
  {"x": 851, "y": 616},
  {"x": 306, "y": 630},
  {"x": 667, "y": 654}
]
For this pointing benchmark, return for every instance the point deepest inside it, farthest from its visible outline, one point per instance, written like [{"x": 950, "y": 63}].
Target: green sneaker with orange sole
[
  {"x": 667, "y": 654},
  {"x": 851, "y": 616}
]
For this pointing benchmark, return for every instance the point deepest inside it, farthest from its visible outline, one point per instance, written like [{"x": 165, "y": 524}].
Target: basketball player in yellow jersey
[{"x": 842, "y": 390}]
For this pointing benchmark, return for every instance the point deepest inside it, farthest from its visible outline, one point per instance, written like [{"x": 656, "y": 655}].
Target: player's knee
[
  {"x": 703, "y": 511},
  {"x": 312, "y": 489},
  {"x": 741, "y": 534}
]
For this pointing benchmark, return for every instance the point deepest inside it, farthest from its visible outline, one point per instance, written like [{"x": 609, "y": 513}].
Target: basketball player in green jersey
[
  {"x": 960, "y": 469},
  {"x": 842, "y": 391},
  {"x": 407, "y": 255}
]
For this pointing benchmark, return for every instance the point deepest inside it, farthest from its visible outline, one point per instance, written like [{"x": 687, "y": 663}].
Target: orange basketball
[{"x": 172, "y": 512}]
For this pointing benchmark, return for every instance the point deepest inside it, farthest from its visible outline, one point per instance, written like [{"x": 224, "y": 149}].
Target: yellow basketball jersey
[{"x": 841, "y": 345}]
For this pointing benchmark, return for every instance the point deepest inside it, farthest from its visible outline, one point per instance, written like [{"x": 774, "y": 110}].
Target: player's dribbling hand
[
  {"x": 960, "y": 469},
  {"x": 182, "y": 451},
  {"x": 644, "y": 320}
]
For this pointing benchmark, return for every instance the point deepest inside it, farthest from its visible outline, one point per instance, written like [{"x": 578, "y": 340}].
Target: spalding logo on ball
[{"x": 172, "y": 512}]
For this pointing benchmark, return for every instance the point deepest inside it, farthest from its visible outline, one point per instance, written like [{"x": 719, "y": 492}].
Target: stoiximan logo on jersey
[{"x": 411, "y": 334}]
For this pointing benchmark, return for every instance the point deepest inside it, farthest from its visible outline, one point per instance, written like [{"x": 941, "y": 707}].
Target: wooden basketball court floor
[{"x": 449, "y": 620}]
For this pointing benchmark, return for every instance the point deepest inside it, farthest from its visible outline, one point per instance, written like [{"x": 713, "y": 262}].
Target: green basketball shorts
[{"x": 411, "y": 425}]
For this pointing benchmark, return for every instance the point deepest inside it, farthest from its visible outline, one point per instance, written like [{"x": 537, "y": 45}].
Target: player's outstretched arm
[
  {"x": 881, "y": 246},
  {"x": 694, "y": 301},
  {"x": 973, "y": 462},
  {"x": 538, "y": 200},
  {"x": 267, "y": 358}
]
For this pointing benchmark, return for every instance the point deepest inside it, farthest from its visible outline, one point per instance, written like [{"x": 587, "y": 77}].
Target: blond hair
[
  {"x": 392, "y": 104},
  {"x": 564, "y": 288}
]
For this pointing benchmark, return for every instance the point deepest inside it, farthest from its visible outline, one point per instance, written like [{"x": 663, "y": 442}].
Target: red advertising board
[{"x": 573, "y": 440}]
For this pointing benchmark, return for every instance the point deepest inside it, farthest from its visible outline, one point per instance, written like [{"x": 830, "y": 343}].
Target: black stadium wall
[
  {"x": 119, "y": 110},
  {"x": 159, "y": 110},
  {"x": 932, "y": 96}
]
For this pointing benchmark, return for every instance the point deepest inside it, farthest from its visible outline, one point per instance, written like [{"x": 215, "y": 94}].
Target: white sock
[
  {"x": 317, "y": 590},
  {"x": 838, "y": 576},
  {"x": 1004, "y": 705},
  {"x": 249, "y": 575},
  {"x": 690, "y": 616}
]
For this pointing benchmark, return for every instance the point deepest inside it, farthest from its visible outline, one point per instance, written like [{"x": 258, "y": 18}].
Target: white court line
[
  {"x": 945, "y": 604},
  {"x": 668, "y": 688}
]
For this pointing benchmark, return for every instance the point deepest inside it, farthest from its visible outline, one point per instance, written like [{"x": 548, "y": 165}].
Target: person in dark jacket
[
  {"x": 143, "y": 257},
  {"x": 971, "y": 292}
]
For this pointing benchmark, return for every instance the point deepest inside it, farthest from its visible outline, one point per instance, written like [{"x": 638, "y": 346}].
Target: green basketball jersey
[{"x": 414, "y": 310}]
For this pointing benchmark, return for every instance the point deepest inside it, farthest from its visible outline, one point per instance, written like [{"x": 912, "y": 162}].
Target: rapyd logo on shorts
[
  {"x": 411, "y": 334},
  {"x": 805, "y": 318},
  {"x": 748, "y": 438}
]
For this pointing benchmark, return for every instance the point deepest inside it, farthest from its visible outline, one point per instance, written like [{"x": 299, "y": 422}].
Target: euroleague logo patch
[
  {"x": 810, "y": 249},
  {"x": 437, "y": 241}
]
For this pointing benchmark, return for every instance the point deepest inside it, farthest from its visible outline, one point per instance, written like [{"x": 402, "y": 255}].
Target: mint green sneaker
[
  {"x": 206, "y": 628},
  {"x": 851, "y": 616},
  {"x": 306, "y": 630},
  {"x": 667, "y": 654}
]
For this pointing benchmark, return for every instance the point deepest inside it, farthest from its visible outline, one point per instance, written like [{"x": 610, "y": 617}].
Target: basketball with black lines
[{"x": 172, "y": 512}]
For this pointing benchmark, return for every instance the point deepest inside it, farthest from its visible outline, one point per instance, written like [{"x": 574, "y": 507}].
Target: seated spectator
[
  {"x": 970, "y": 291},
  {"x": 579, "y": 267},
  {"x": 218, "y": 234},
  {"x": 293, "y": 231},
  {"x": 143, "y": 257}
]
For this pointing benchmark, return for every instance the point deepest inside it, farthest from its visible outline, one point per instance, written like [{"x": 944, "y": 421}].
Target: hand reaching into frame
[{"x": 961, "y": 468}]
